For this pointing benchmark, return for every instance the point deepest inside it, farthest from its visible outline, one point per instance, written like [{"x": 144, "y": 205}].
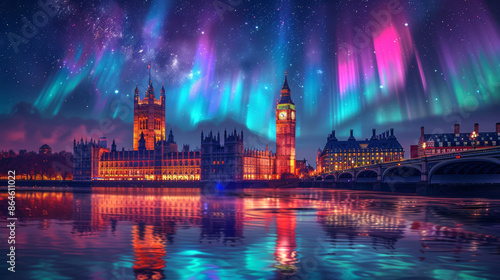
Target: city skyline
[
  {"x": 221, "y": 69},
  {"x": 259, "y": 141}
]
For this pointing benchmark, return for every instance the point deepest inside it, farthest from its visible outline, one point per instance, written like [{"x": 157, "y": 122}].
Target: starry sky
[{"x": 69, "y": 70}]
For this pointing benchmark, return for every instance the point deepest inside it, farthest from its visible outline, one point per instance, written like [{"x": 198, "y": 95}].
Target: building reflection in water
[
  {"x": 149, "y": 249},
  {"x": 281, "y": 211},
  {"x": 285, "y": 242},
  {"x": 155, "y": 215},
  {"x": 222, "y": 221},
  {"x": 350, "y": 217}
]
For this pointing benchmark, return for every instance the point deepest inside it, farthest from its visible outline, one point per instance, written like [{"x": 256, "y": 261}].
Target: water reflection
[
  {"x": 285, "y": 242},
  {"x": 149, "y": 248},
  {"x": 115, "y": 233}
]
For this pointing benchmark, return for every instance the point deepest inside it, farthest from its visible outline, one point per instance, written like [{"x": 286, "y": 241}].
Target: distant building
[
  {"x": 45, "y": 150},
  {"x": 443, "y": 143},
  {"x": 341, "y": 155},
  {"x": 232, "y": 162},
  {"x": 302, "y": 169},
  {"x": 85, "y": 160},
  {"x": 7, "y": 154}
]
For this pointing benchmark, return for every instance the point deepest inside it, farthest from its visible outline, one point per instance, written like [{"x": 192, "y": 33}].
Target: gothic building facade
[
  {"x": 86, "y": 160},
  {"x": 155, "y": 157},
  {"x": 232, "y": 162},
  {"x": 149, "y": 116},
  {"x": 164, "y": 162}
]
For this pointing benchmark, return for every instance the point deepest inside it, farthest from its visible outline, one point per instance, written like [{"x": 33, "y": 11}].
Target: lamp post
[
  {"x": 473, "y": 135},
  {"x": 424, "y": 146}
]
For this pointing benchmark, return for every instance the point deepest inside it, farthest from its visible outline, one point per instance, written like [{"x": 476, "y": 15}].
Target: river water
[{"x": 119, "y": 233}]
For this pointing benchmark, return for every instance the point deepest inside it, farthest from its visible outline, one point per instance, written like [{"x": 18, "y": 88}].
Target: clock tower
[{"x": 285, "y": 132}]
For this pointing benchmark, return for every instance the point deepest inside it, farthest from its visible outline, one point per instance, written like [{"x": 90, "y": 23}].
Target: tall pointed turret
[
  {"x": 142, "y": 142},
  {"x": 150, "y": 81},
  {"x": 150, "y": 92},
  {"x": 285, "y": 97},
  {"x": 171, "y": 137},
  {"x": 162, "y": 97},
  {"x": 285, "y": 83}
]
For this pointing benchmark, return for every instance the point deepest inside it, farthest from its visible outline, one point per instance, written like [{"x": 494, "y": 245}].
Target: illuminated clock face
[
  {"x": 282, "y": 115},
  {"x": 293, "y": 115}
]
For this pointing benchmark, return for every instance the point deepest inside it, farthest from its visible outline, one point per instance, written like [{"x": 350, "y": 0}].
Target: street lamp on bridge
[{"x": 473, "y": 135}]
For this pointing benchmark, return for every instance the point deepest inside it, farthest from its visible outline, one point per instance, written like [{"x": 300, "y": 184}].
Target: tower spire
[
  {"x": 149, "y": 68},
  {"x": 285, "y": 92},
  {"x": 285, "y": 84}
]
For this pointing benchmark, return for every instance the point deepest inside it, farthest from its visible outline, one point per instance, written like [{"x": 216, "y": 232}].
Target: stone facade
[{"x": 342, "y": 155}]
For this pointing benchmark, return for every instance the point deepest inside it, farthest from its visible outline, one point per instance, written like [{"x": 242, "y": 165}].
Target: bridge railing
[{"x": 468, "y": 153}]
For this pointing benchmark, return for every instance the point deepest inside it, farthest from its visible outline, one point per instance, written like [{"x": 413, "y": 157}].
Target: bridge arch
[
  {"x": 466, "y": 171},
  {"x": 319, "y": 178},
  {"x": 402, "y": 174},
  {"x": 330, "y": 177},
  {"x": 345, "y": 177},
  {"x": 367, "y": 176}
]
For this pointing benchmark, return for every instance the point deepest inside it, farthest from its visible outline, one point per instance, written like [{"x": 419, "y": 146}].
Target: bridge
[{"x": 481, "y": 166}]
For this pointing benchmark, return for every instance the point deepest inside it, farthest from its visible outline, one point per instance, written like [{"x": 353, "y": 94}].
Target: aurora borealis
[{"x": 359, "y": 64}]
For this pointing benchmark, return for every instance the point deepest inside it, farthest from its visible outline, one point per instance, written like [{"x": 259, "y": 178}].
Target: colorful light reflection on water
[{"x": 256, "y": 234}]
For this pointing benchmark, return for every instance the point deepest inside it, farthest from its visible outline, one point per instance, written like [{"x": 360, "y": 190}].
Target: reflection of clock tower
[{"x": 285, "y": 132}]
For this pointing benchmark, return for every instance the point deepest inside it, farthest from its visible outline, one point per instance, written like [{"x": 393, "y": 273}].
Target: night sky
[{"x": 357, "y": 64}]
